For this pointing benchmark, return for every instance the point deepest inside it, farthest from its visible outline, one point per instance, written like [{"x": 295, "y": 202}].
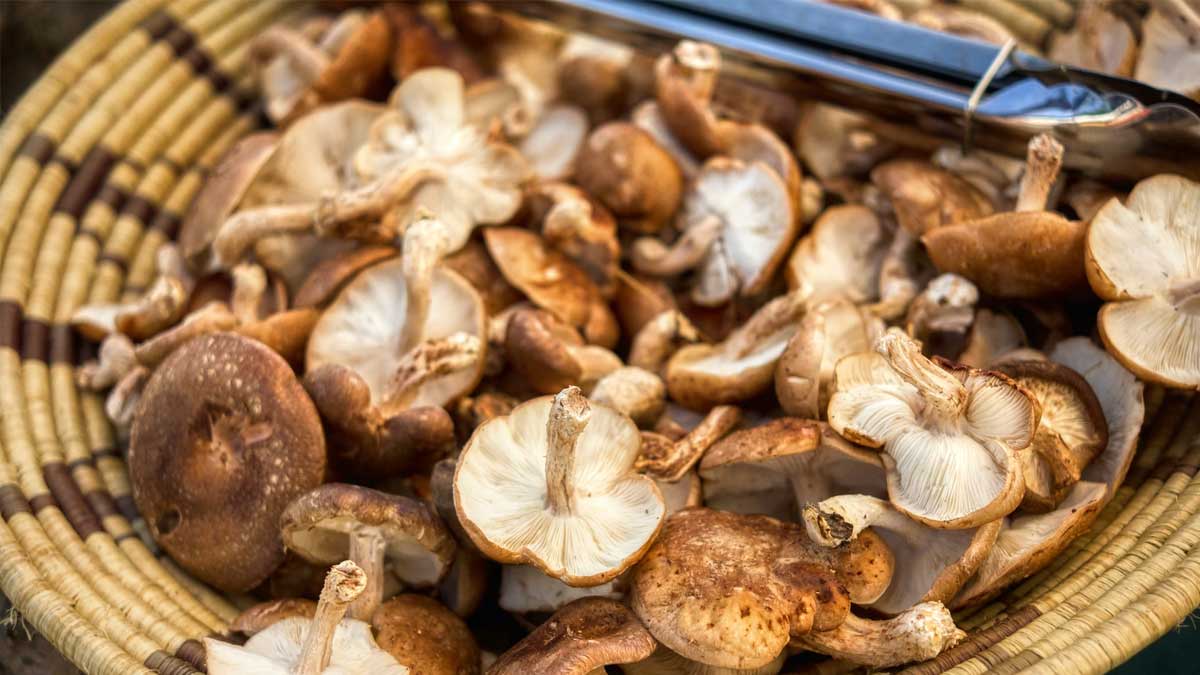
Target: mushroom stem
[
  {"x": 837, "y": 520},
  {"x": 568, "y": 417},
  {"x": 425, "y": 242},
  {"x": 1043, "y": 160},
  {"x": 916, "y": 634},
  {"x": 429, "y": 360},
  {"x": 211, "y": 318},
  {"x": 307, "y": 59},
  {"x": 367, "y": 547},
  {"x": 944, "y": 396},
  {"x": 650, "y": 256},
  {"x": 117, "y": 357},
  {"x": 659, "y": 338},
  {"x": 249, "y": 285},
  {"x": 350, "y": 214},
  {"x": 345, "y": 582}
]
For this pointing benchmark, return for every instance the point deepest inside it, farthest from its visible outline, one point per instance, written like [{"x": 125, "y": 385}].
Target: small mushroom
[
  {"x": 1071, "y": 432},
  {"x": 777, "y": 467},
  {"x": 628, "y": 172},
  {"x": 672, "y": 460},
  {"x": 756, "y": 143},
  {"x": 659, "y": 338},
  {"x": 1099, "y": 40},
  {"x": 760, "y": 579},
  {"x": 418, "y": 42},
  {"x": 330, "y": 276},
  {"x": 926, "y": 197},
  {"x": 1027, "y": 253},
  {"x": 424, "y": 635},
  {"x": 599, "y": 75},
  {"x": 301, "y": 72},
  {"x": 700, "y": 376},
  {"x": 122, "y": 402},
  {"x": 381, "y": 533},
  {"x": 841, "y": 256},
  {"x": 581, "y": 229},
  {"x": 160, "y": 307},
  {"x": 324, "y": 643},
  {"x": 993, "y": 336},
  {"x": 828, "y": 331},
  {"x": 835, "y": 142},
  {"x": 684, "y": 82},
  {"x": 1168, "y": 56},
  {"x": 550, "y": 356},
  {"x": 931, "y": 565},
  {"x": 949, "y": 434},
  {"x": 1151, "y": 319},
  {"x": 632, "y": 391},
  {"x": 917, "y": 634},
  {"x": 581, "y": 638},
  {"x": 738, "y": 222},
  {"x": 553, "y": 485},
  {"x": 116, "y": 357},
  {"x": 554, "y": 142},
  {"x": 224, "y": 438},
  {"x": 525, "y": 589},
  {"x": 942, "y": 315}
]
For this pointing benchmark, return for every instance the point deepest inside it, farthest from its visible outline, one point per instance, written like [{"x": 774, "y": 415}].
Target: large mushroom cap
[
  {"x": 580, "y": 638},
  {"x": 949, "y": 435},
  {"x": 552, "y": 485},
  {"x": 730, "y": 590},
  {"x": 631, "y": 174},
  {"x": 319, "y": 525},
  {"x": 224, "y": 438},
  {"x": 926, "y": 197},
  {"x": 1152, "y": 320},
  {"x": 424, "y": 635}
]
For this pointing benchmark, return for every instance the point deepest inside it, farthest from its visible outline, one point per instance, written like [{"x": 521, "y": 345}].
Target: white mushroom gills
[
  {"x": 944, "y": 395},
  {"x": 345, "y": 582},
  {"x": 569, "y": 416}
]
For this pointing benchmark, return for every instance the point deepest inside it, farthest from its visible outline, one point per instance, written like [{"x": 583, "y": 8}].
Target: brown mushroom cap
[
  {"x": 359, "y": 62},
  {"x": 581, "y": 228},
  {"x": 319, "y": 525},
  {"x": 835, "y": 142},
  {"x": 926, "y": 198},
  {"x": 548, "y": 278},
  {"x": 264, "y": 614},
  {"x": 631, "y": 174},
  {"x": 425, "y": 636},
  {"x": 330, "y": 276},
  {"x": 760, "y": 580},
  {"x": 1071, "y": 432},
  {"x": 224, "y": 438},
  {"x": 684, "y": 83},
  {"x": 580, "y": 638},
  {"x": 550, "y": 356},
  {"x": 777, "y": 467},
  {"x": 842, "y": 255},
  {"x": 671, "y": 460}
]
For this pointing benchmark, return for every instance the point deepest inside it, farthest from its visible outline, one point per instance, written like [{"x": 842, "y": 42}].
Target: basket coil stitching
[{"x": 99, "y": 161}]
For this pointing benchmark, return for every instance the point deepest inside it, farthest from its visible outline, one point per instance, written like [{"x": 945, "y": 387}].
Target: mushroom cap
[
  {"x": 757, "y": 143},
  {"x": 582, "y": 637},
  {"x": 359, "y": 61},
  {"x": 1099, "y": 40},
  {"x": 1016, "y": 254},
  {"x": 758, "y": 223},
  {"x": 631, "y": 174},
  {"x": 548, "y": 278},
  {"x": 223, "y": 439},
  {"x": 1168, "y": 56},
  {"x": 700, "y": 376},
  {"x": 554, "y": 142},
  {"x": 829, "y": 331},
  {"x": 777, "y": 467},
  {"x": 474, "y": 264},
  {"x": 841, "y": 256},
  {"x": 950, "y": 447},
  {"x": 265, "y": 614},
  {"x": 835, "y": 142},
  {"x": 424, "y": 635},
  {"x": 926, "y": 197},
  {"x": 633, "y": 391},
  {"x": 221, "y": 193},
  {"x": 363, "y": 327},
  {"x": 1071, "y": 432},
  {"x": 277, "y": 650},
  {"x": 317, "y": 526},
  {"x": 649, "y": 117},
  {"x": 581, "y": 228},
  {"x": 993, "y": 334},
  {"x": 1152, "y": 320},
  {"x": 331, "y": 275},
  {"x": 525, "y": 589},
  {"x": 666, "y": 662},
  {"x": 668, "y": 460},
  {"x": 683, "y": 87},
  {"x": 550, "y": 356},
  {"x": 730, "y": 590},
  {"x": 501, "y": 496}
]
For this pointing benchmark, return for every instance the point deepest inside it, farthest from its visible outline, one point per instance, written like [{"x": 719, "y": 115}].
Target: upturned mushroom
[
  {"x": 702, "y": 375},
  {"x": 1031, "y": 252},
  {"x": 1070, "y": 433},
  {"x": 931, "y": 565},
  {"x": 580, "y": 228},
  {"x": 380, "y": 383},
  {"x": 382, "y": 533},
  {"x": 552, "y": 485},
  {"x": 300, "y": 646},
  {"x": 160, "y": 307},
  {"x": 777, "y": 467},
  {"x": 949, "y": 435},
  {"x": 1151, "y": 319},
  {"x": 224, "y": 438},
  {"x": 737, "y": 223},
  {"x": 628, "y": 172},
  {"x": 841, "y": 256},
  {"x": 760, "y": 579},
  {"x": 828, "y": 331},
  {"x": 555, "y": 141},
  {"x": 580, "y": 639}
]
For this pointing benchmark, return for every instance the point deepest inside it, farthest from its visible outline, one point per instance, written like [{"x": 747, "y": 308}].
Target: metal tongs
[{"x": 903, "y": 74}]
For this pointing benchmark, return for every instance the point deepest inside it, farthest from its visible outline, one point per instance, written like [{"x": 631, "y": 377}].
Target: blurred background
[{"x": 32, "y": 33}]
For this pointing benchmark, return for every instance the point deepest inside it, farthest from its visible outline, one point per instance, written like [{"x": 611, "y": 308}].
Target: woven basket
[{"x": 99, "y": 162}]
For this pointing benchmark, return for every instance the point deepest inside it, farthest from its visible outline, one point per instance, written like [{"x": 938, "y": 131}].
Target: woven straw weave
[{"x": 98, "y": 163}]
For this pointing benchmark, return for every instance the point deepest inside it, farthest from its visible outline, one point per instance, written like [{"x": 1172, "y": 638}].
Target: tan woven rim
[{"x": 99, "y": 161}]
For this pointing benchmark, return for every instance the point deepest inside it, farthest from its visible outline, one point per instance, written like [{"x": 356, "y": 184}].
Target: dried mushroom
[
  {"x": 525, "y": 589},
  {"x": 551, "y": 356},
  {"x": 926, "y": 197},
  {"x": 828, "y": 331},
  {"x": 579, "y": 639},
  {"x": 628, "y": 172},
  {"x": 841, "y": 256}
]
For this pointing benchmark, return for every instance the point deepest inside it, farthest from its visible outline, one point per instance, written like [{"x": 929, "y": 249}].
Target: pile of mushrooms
[{"x": 567, "y": 363}]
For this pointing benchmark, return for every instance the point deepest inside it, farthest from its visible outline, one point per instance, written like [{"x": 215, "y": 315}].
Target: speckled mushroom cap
[
  {"x": 579, "y": 639},
  {"x": 731, "y": 590},
  {"x": 318, "y": 525},
  {"x": 424, "y": 635},
  {"x": 223, "y": 439}
]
